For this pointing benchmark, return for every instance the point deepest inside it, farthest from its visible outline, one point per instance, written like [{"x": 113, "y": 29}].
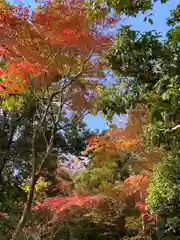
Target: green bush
[{"x": 164, "y": 188}]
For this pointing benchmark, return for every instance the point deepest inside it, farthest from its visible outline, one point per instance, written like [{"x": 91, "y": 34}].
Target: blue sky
[{"x": 160, "y": 13}]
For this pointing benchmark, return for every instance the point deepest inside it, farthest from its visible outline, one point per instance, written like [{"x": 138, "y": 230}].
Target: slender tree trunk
[
  {"x": 26, "y": 211},
  {"x": 35, "y": 176},
  {"x": 28, "y": 203},
  {"x": 36, "y": 172}
]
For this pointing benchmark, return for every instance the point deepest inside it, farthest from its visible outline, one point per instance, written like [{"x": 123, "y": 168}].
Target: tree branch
[
  {"x": 173, "y": 129},
  {"x": 36, "y": 173}
]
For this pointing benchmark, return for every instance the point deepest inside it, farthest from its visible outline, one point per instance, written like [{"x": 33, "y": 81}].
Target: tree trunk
[
  {"x": 35, "y": 176},
  {"x": 36, "y": 173},
  {"x": 27, "y": 209},
  {"x": 28, "y": 203}
]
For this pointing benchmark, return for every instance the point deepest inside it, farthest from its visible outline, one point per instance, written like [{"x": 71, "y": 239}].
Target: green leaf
[
  {"x": 164, "y": 1},
  {"x": 165, "y": 96},
  {"x": 150, "y": 21}
]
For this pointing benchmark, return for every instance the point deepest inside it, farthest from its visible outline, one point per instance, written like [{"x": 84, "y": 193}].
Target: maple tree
[
  {"x": 126, "y": 193},
  {"x": 99, "y": 206},
  {"x": 125, "y": 139},
  {"x": 56, "y": 43},
  {"x": 120, "y": 166},
  {"x": 57, "y": 39}
]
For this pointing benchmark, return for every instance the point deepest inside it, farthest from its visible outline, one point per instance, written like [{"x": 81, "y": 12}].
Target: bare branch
[{"x": 173, "y": 129}]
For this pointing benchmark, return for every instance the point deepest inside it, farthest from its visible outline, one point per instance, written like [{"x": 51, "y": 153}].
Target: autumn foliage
[
  {"x": 62, "y": 203},
  {"x": 129, "y": 139},
  {"x": 121, "y": 138},
  {"x": 145, "y": 214},
  {"x": 132, "y": 192},
  {"x": 55, "y": 39}
]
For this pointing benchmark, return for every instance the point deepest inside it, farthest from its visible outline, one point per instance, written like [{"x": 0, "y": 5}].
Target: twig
[{"x": 173, "y": 129}]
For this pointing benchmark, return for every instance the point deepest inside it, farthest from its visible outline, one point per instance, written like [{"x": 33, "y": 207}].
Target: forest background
[{"x": 66, "y": 66}]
